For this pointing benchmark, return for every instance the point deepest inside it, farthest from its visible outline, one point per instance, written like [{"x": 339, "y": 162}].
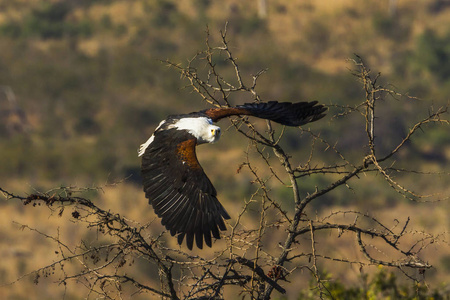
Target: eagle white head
[{"x": 202, "y": 128}]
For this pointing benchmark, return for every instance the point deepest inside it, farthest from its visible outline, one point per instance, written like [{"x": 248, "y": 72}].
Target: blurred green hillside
[
  {"x": 82, "y": 85},
  {"x": 87, "y": 75}
]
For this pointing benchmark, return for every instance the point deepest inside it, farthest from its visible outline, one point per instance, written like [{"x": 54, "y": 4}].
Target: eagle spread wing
[
  {"x": 175, "y": 183},
  {"x": 179, "y": 190},
  {"x": 285, "y": 113}
]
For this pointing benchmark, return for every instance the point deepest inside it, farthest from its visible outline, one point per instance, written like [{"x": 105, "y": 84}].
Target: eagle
[{"x": 174, "y": 181}]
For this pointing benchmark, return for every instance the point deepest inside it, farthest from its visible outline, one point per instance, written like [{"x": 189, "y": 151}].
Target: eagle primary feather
[{"x": 175, "y": 183}]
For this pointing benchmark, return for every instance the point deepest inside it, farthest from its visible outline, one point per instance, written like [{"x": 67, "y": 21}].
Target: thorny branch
[{"x": 261, "y": 254}]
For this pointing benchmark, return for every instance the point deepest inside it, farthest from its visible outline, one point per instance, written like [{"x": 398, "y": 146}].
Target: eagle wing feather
[
  {"x": 285, "y": 113},
  {"x": 179, "y": 190}
]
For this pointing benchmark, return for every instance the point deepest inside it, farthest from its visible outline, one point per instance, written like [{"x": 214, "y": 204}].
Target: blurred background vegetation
[{"x": 82, "y": 85}]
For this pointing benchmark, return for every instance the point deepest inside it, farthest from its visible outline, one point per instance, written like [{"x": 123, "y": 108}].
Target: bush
[{"x": 384, "y": 284}]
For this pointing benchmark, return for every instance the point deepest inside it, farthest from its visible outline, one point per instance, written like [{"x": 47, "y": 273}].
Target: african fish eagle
[{"x": 174, "y": 182}]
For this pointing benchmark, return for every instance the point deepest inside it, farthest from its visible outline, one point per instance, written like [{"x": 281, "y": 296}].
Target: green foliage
[
  {"x": 392, "y": 26},
  {"x": 318, "y": 36},
  {"x": 48, "y": 21},
  {"x": 383, "y": 285},
  {"x": 11, "y": 29},
  {"x": 445, "y": 262},
  {"x": 165, "y": 14},
  {"x": 432, "y": 55}
]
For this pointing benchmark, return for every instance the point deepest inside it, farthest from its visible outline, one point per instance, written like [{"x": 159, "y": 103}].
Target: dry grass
[{"x": 24, "y": 250}]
